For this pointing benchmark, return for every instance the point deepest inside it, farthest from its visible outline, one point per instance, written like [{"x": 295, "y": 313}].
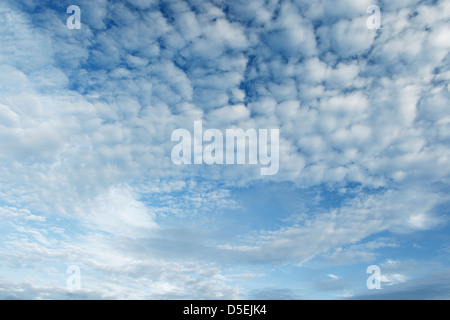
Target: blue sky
[{"x": 86, "y": 176}]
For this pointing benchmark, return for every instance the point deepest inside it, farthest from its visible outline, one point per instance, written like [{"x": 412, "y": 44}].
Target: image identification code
[{"x": 238, "y": 310}]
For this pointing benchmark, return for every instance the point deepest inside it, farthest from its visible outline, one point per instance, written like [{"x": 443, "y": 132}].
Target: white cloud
[
  {"x": 120, "y": 213},
  {"x": 350, "y": 224},
  {"x": 432, "y": 287}
]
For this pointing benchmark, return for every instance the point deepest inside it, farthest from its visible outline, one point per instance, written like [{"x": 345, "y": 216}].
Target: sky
[{"x": 87, "y": 182}]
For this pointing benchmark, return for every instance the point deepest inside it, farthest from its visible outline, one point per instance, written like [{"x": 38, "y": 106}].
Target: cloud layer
[{"x": 86, "y": 118}]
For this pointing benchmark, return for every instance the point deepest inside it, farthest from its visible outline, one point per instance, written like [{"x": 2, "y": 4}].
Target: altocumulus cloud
[{"x": 86, "y": 118}]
